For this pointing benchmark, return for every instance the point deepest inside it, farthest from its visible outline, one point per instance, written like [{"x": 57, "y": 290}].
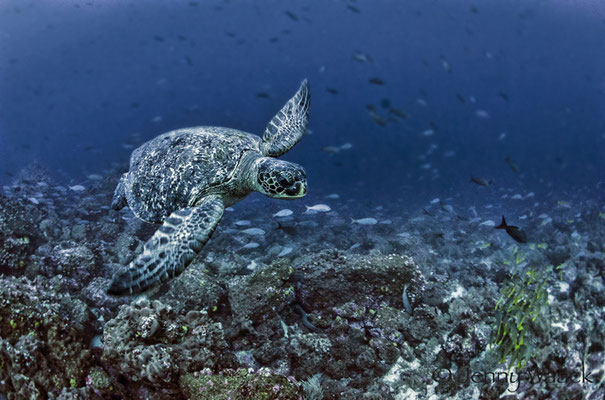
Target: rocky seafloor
[{"x": 416, "y": 305}]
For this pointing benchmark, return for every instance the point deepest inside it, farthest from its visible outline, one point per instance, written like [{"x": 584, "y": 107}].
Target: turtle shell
[{"x": 174, "y": 170}]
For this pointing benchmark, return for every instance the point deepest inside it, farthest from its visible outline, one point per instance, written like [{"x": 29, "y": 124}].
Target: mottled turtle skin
[{"x": 185, "y": 179}]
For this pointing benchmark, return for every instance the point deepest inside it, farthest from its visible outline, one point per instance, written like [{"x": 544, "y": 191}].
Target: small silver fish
[
  {"x": 361, "y": 57},
  {"x": 364, "y": 221},
  {"x": 318, "y": 208},
  {"x": 285, "y": 251},
  {"x": 254, "y": 231},
  {"x": 283, "y": 213},
  {"x": 77, "y": 188},
  {"x": 482, "y": 114}
]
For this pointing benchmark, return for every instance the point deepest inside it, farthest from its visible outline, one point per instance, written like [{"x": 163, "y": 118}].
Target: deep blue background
[{"x": 79, "y": 79}]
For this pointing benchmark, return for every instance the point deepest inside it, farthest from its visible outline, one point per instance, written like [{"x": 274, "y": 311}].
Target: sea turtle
[{"x": 186, "y": 178}]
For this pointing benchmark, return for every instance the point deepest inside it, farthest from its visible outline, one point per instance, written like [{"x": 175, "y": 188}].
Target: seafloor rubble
[{"x": 407, "y": 306}]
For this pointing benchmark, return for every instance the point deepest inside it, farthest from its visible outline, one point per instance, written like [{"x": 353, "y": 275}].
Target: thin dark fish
[
  {"x": 378, "y": 118},
  {"x": 513, "y": 231},
  {"x": 353, "y": 8},
  {"x": 292, "y": 16},
  {"x": 481, "y": 181},
  {"x": 263, "y": 95},
  {"x": 428, "y": 213},
  {"x": 376, "y": 81},
  {"x": 188, "y": 59},
  {"x": 331, "y": 90},
  {"x": 512, "y": 165},
  {"x": 398, "y": 113},
  {"x": 460, "y": 98},
  {"x": 503, "y": 95}
]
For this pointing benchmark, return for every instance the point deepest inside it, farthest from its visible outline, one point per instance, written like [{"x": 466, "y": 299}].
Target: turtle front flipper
[
  {"x": 171, "y": 248},
  {"x": 119, "y": 195},
  {"x": 289, "y": 125}
]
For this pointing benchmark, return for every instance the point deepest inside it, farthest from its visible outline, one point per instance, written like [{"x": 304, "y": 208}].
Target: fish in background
[
  {"x": 398, "y": 113},
  {"x": 353, "y": 9},
  {"x": 377, "y": 118},
  {"x": 362, "y": 57},
  {"x": 512, "y": 165},
  {"x": 513, "y": 231},
  {"x": 337, "y": 149},
  {"x": 481, "y": 181},
  {"x": 291, "y": 15},
  {"x": 317, "y": 208}
]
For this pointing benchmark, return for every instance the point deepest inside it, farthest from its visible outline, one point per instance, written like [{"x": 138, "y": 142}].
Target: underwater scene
[{"x": 318, "y": 199}]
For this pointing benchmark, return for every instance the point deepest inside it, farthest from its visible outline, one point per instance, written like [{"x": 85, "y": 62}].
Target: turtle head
[{"x": 280, "y": 179}]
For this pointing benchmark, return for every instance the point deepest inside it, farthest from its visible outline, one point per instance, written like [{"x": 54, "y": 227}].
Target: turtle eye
[{"x": 284, "y": 182}]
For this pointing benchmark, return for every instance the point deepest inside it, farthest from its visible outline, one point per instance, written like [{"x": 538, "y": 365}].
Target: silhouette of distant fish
[
  {"x": 376, "y": 81},
  {"x": 362, "y": 57},
  {"x": 292, "y": 16},
  {"x": 378, "y": 118},
  {"x": 513, "y": 231},
  {"x": 331, "y": 90},
  {"x": 330, "y": 149},
  {"x": 263, "y": 95},
  {"x": 512, "y": 164},
  {"x": 398, "y": 113},
  {"x": 353, "y": 8},
  {"x": 481, "y": 181}
]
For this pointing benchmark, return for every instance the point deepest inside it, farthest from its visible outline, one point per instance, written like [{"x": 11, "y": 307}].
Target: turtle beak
[{"x": 297, "y": 190}]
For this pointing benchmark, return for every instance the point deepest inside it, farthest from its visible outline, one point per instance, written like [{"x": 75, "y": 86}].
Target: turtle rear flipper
[
  {"x": 119, "y": 195},
  {"x": 289, "y": 125},
  {"x": 171, "y": 248}
]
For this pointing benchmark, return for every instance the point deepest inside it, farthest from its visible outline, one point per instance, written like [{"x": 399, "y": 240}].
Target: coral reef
[
  {"x": 149, "y": 341},
  {"x": 404, "y": 308},
  {"x": 43, "y": 339}
]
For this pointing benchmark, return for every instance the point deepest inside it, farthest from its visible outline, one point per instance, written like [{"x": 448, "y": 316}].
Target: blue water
[{"x": 80, "y": 79}]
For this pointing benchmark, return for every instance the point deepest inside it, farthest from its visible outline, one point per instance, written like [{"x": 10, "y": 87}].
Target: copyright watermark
[{"x": 514, "y": 379}]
